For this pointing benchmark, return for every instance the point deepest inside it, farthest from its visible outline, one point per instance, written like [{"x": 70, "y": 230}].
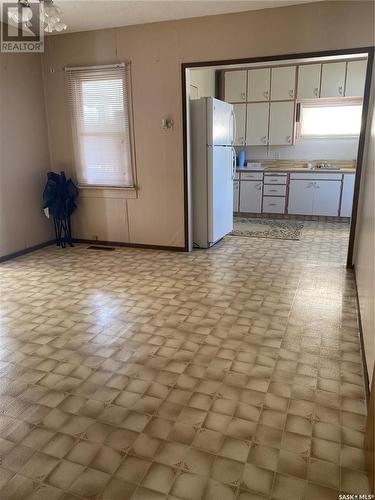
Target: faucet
[{"x": 324, "y": 164}]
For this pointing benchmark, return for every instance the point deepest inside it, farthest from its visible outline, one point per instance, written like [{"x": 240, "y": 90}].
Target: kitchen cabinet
[
  {"x": 314, "y": 197},
  {"x": 258, "y": 84},
  {"x": 273, "y": 204},
  {"x": 251, "y": 196},
  {"x": 355, "y": 78},
  {"x": 281, "y": 123},
  {"x": 257, "y": 124},
  {"x": 283, "y": 83},
  {"x": 240, "y": 114},
  {"x": 301, "y": 197},
  {"x": 333, "y": 79},
  {"x": 347, "y": 195},
  {"x": 308, "y": 81},
  {"x": 236, "y": 195},
  {"x": 274, "y": 190},
  {"x": 326, "y": 198},
  {"x": 235, "y": 86}
]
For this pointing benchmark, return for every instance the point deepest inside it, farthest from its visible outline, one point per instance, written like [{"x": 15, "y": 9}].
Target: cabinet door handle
[
  {"x": 316, "y": 91},
  {"x": 265, "y": 93},
  {"x": 340, "y": 90},
  {"x": 291, "y": 93},
  {"x": 272, "y": 204},
  {"x": 264, "y": 139},
  {"x": 243, "y": 96},
  {"x": 288, "y": 139}
]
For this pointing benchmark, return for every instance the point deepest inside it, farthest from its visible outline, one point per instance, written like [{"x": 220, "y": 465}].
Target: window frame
[
  {"x": 325, "y": 102},
  {"x": 127, "y": 109}
]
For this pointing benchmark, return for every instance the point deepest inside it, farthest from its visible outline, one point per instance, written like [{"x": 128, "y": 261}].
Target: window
[
  {"x": 99, "y": 100},
  {"x": 330, "y": 119}
]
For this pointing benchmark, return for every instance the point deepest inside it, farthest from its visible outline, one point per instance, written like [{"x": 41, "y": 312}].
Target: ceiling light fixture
[{"x": 50, "y": 15}]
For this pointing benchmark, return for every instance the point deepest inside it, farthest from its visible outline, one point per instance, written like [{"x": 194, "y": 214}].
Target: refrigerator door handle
[
  {"x": 234, "y": 127},
  {"x": 233, "y": 163}
]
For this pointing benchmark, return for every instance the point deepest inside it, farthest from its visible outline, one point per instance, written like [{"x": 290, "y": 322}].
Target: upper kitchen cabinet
[
  {"x": 333, "y": 79},
  {"x": 240, "y": 114},
  {"x": 257, "y": 124},
  {"x": 355, "y": 78},
  {"x": 235, "y": 86},
  {"x": 283, "y": 83},
  {"x": 258, "y": 84},
  {"x": 281, "y": 123},
  {"x": 308, "y": 81}
]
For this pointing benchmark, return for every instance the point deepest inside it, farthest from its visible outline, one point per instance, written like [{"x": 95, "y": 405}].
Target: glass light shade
[
  {"x": 27, "y": 14},
  {"x": 60, "y": 26},
  {"x": 51, "y": 16}
]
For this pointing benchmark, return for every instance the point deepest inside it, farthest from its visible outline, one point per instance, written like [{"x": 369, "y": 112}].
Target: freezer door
[
  {"x": 220, "y": 192},
  {"x": 220, "y": 123}
]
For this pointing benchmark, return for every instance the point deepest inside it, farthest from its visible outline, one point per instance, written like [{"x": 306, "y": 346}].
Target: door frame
[{"x": 361, "y": 143}]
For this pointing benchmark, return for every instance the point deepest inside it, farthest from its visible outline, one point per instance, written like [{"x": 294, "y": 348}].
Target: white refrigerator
[{"x": 213, "y": 129}]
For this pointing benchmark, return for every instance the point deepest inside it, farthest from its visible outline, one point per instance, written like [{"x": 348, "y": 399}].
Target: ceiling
[{"x": 85, "y": 15}]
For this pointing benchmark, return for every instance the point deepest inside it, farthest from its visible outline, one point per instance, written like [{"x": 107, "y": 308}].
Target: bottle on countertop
[{"x": 242, "y": 158}]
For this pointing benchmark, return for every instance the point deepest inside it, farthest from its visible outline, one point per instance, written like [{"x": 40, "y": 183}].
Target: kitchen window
[
  {"x": 330, "y": 119},
  {"x": 101, "y": 121}
]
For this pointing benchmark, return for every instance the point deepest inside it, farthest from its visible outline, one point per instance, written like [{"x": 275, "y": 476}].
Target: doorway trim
[{"x": 361, "y": 143}]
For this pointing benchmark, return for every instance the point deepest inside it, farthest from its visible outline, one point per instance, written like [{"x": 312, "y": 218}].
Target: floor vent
[{"x": 95, "y": 247}]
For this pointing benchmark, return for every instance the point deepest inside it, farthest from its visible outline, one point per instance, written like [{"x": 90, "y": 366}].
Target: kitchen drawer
[
  {"x": 274, "y": 190},
  {"x": 319, "y": 176},
  {"x": 275, "y": 179},
  {"x": 273, "y": 204},
  {"x": 251, "y": 176}
]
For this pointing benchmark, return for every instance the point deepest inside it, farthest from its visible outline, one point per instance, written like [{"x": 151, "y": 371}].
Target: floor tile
[{"x": 233, "y": 373}]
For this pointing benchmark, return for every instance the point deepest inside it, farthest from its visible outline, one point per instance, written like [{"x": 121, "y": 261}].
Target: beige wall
[
  {"x": 24, "y": 156},
  {"x": 204, "y": 80},
  {"x": 364, "y": 257},
  {"x": 156, "y": 52}
]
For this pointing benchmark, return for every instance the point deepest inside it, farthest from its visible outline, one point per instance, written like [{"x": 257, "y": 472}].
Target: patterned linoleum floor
[{"x": 233, "y": 373}]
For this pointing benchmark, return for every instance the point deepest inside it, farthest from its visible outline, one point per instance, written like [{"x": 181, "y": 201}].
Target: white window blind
[{"x": 99, "y": 101}]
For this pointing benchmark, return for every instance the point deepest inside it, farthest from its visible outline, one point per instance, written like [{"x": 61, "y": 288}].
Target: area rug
[{"x": 267, "y": 228}]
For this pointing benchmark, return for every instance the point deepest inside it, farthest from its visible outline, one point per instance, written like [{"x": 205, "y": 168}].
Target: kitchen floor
[{"x": 233, "y": 373}]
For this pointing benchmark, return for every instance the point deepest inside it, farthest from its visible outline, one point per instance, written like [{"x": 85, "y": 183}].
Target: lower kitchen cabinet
[
  {"x": 327, "y": 197},
  {"x": 301, "y": 197},
  {"x": 273, "y": 204},
  {"x": 236, "y": 195},
  {"x": 251, "y": 196},
  {"x": 325, "y": 194},
  {"x": 347, "y": 195},
  {"x": 314, "y": 197}
]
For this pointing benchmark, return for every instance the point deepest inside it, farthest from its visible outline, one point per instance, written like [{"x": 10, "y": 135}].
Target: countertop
[{"x": 342, "y": 167}]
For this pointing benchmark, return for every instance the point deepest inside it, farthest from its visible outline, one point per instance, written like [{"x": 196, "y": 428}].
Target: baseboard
[
  {"x": 25, "y": 251},
  {"x": 370, "y": 437},
  {"x": 364, "y": 362},
  {"x": 129, "y": 245}
]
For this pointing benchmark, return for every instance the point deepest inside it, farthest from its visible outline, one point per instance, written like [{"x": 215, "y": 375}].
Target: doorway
[{"x": 256, "y": 88}]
